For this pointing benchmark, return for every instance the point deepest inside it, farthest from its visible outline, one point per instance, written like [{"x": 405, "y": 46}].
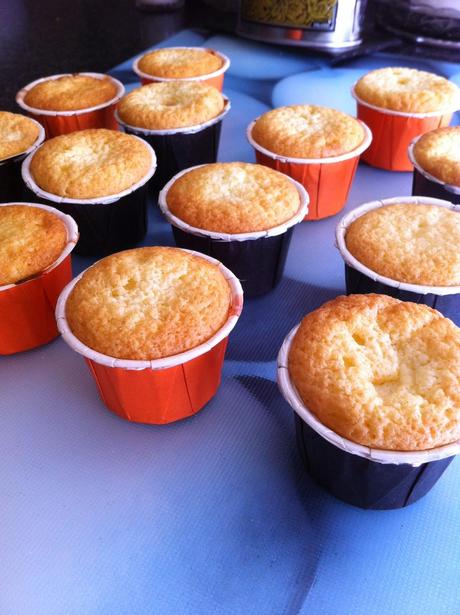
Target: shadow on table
[{"x": 265, "y": 321}]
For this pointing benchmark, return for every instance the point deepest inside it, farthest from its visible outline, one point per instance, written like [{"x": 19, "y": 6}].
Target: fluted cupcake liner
[
  {"x": 107, "y": 224},
  {"x": 11, "y": 185},
  {"x": 425, "y": 184},
  {"x": 327, "y": 180},
  {"x": 361, "y": 280},
  {"x": 180, "y": 148},
  {"x": 161, "y": 390},
  {"x": 393, "y": 131},
  {"x": 58, "y": 123},
  {"x": 359, "y": 475},
  {"x": 216, "y": 78},
  {"x": 27, "y": 308},
  {"x": 256, "y": 258}
]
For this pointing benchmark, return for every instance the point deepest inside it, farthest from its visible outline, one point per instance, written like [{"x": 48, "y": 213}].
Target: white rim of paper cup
[
  {"x": 112, "y": 198},
  {"x": 225, "y": 65},
  {"x": 448, "y": 187},
  {"x": 36, "y": 111},
  {"x": 155, "y": 364},
  {"x": 199, "y": 232},
  {"x": 72, "y": 238},
  {"x": 327, "y": 160},
  {"x": 290, "y": 394},
  {"x": 353, "y": 262},
  {"x": 38, "y": 141},
  {"x": 186, "y": 130},
  {"x": 451, "y": 109}
]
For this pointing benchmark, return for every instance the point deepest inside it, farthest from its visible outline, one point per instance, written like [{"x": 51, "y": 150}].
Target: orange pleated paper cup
[
  {"x": 327, "y": 180},
  {"x": 58, "y": 123},
  {"x": 216, "y": 78},
  {"x": 27, "y": 317},
  {"x": 162, "y": 390},
  {"x": 393, "y": 131}
]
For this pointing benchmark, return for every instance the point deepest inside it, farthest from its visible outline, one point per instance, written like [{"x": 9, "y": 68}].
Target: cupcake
[
  {"x": 99, "y": 177},
  {"x": 65, "y": 103},
  {"x": 243, "y": 214},
  {"x": 317, "y": 146},
  {"x": 184, "y": 64},
  {"x": 377, "y": 396},
  {"x": 19, "y": 135},
  {"x": 153, "y": 325},
  {"x": 436, "y": 159},
  {"x": 399, "y": 104},
  {"x": 405, "y": 247},
  {"x": 181, "y": 121},
  {"x": 35, "y": 246}
]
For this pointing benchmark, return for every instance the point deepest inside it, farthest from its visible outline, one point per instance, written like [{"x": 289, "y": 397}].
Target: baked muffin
[
  {"x": 159, "y": 106},
  {"x": 438, "y": 152},
  {"x": 148, "y": 303},
  {"x": 407, "y": 89},
  {"x": 17, "y": 134},
  {"x": 179, "y": 62},
  {"x": 307, "y": 131},
  {"x": 90, "y": 163},
  {"x": 414, "y": 243},
  {"x": 233, "y": 197},
  {"x": 381, "y": 372},
  {"x": 31, "y": 239},
  {"x": 71, "y": 93}
]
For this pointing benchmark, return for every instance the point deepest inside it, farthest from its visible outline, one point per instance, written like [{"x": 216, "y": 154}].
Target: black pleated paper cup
[
  {"x": 180, "y": 148},
  {"x": 257, "y": 259},
  {"x": 364, "y": 477},
  {"x": 425, "y": 184},
  {"x": 106, "y": 224},
  {"x": 362, "y": 280},
  {"x": 12, "y": 187}
]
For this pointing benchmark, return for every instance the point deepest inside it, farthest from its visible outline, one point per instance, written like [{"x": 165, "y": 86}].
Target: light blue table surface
[{"x": 213, "y": 515}]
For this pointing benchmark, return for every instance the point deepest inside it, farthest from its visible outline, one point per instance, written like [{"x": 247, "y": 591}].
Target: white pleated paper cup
[
  {"x": 216, "y": 78},
  {"x": 419, "y": 290}
]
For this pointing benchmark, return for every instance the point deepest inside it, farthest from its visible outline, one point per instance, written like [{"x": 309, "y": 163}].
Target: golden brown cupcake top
[
  {"x": 71, "y": 93},
  {"x": 90, "y": 163},
  {"x": 438, "y": 152},
  {"x": 17, "y": 134},
  {"x": 148, "y": 303},
  {"x": 307, "y": 131},
  {"x": 407, "y": 89},
  {"x": 233, "y": 197},
  {"x": 31, "y": 239},
  {"x": 381, "y": 372},
  {"x": 175, "y": 104},
  {"x": 179, "y": 62},
  {"x": 409, "y": 242}
]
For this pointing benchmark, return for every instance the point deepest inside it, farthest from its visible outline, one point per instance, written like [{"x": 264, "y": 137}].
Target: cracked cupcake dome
[
  {"x": 407, "y": 90},
  {"x": 179, "y": 62},
  {"x": 381, "y": 372},
  {"x": 148, "y": 303},
  {"x": 90, "y": 163},
  {"x": 307, "y": 131}
]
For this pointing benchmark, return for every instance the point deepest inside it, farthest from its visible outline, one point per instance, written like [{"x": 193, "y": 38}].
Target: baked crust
[
  {"x": 175, "y": 104},
  {"x": 90, "y": 163},
  {"x": 17, "y": 134},
  {"x": 308, "y": 131},
  {"x": 409, "y": 242},
  {"x": 233, "y": 197},
  {"x": 71, "y": 93},
  {"x": 179, "y": 63},
  {"x": 148, "y": 303},
  {"x": 407, "y": 89},
  {"x": 438, "y": 153},
  {"x": 31, "y": 239},
  {"x": 381, "y": 372}
]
